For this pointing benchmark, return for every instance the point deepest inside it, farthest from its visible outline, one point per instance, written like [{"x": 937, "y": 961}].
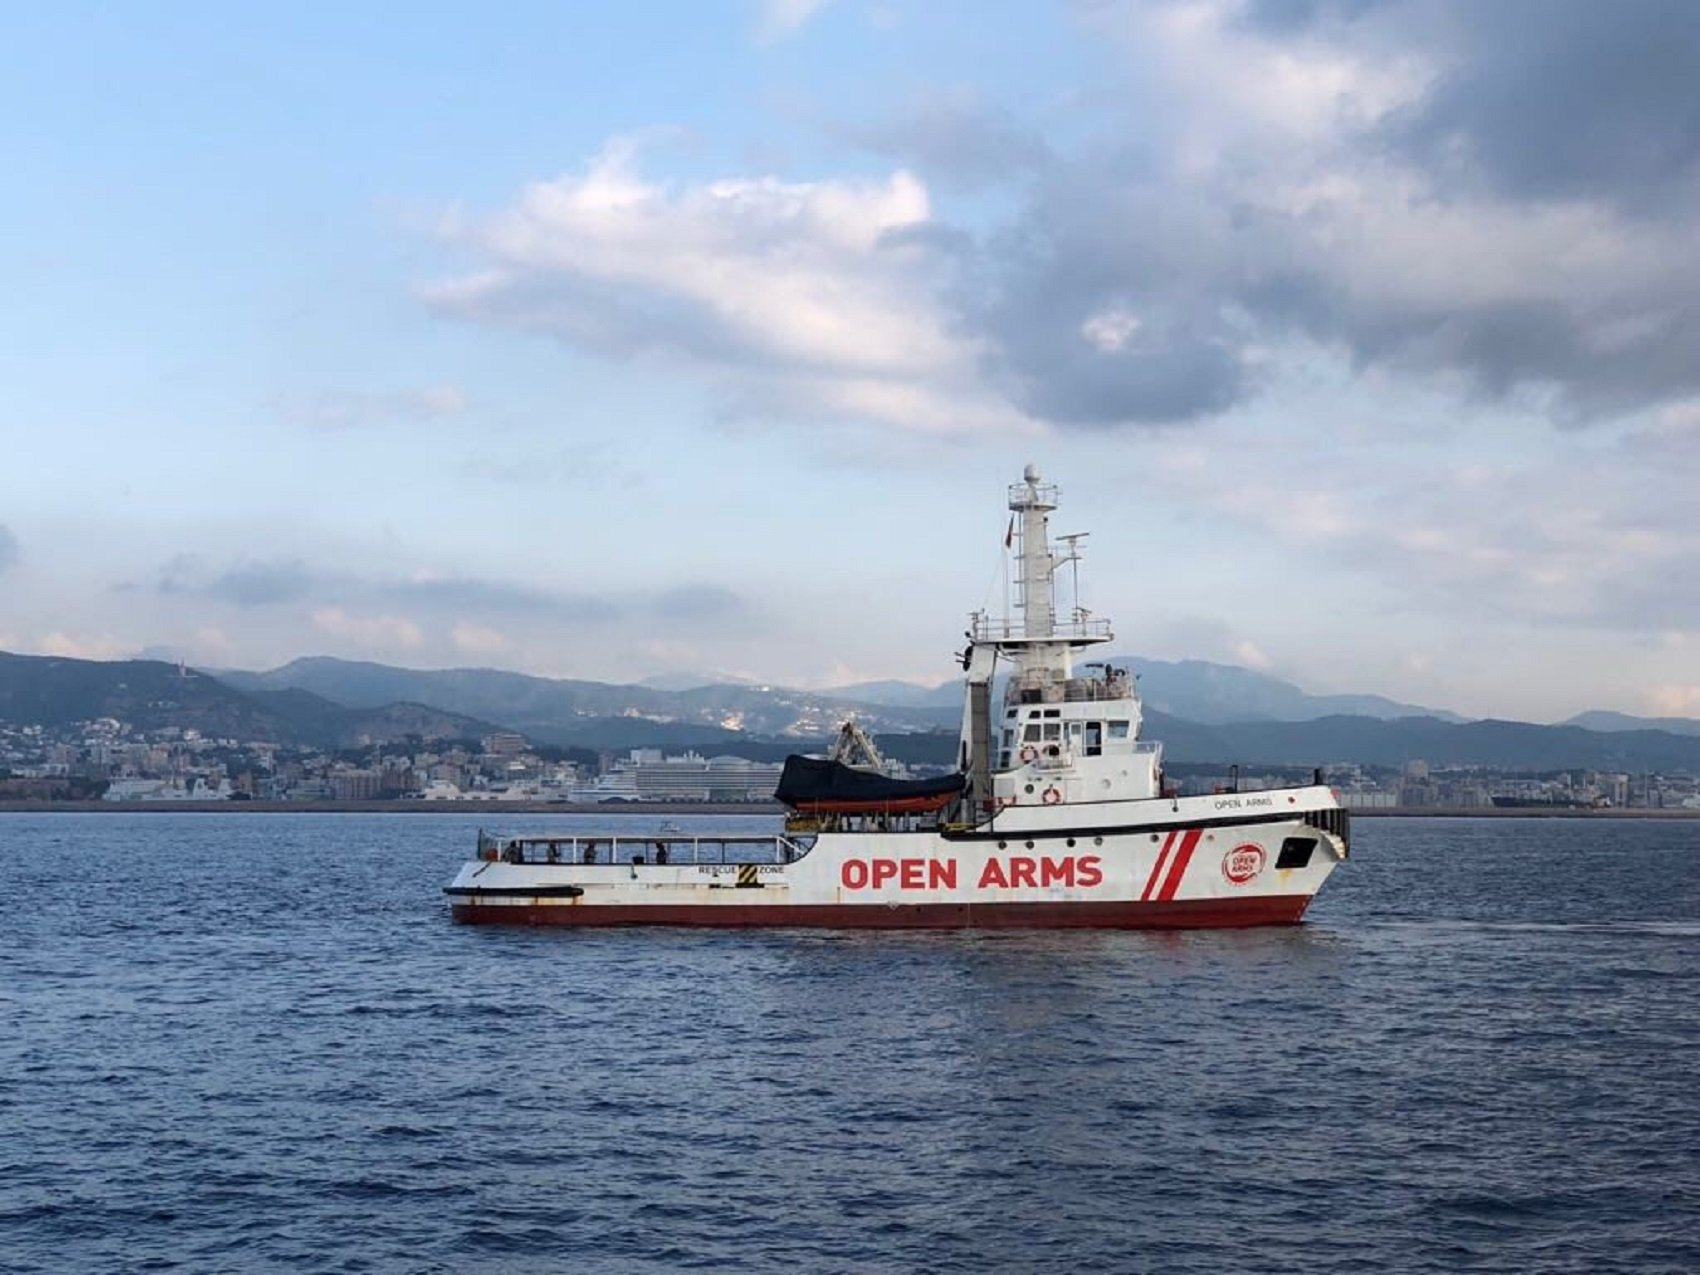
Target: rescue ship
[{"x": 1057, "y": 814}]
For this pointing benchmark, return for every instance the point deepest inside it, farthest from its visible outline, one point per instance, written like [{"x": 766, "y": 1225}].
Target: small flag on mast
[{"x": 1009, "y": 536}]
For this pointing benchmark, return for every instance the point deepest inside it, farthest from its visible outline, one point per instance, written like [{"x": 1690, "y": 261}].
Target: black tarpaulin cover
[{"x": 810, "y": 780}]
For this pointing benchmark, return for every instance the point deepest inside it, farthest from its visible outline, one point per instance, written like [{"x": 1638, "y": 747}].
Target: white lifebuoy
[
  {"x": 1028, "y": 753},
  {"x": 1051, "y": 797}
]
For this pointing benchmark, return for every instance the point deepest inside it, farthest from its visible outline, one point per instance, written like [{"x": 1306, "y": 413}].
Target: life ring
[
  {"x": 1028, "y": 753},
  {"x": 1051, "y": 797}
]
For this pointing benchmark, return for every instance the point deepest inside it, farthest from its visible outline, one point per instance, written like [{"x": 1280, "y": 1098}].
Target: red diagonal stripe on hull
[
  {"x": 1183, "y": 856},
  {"x": 1157, "y": 868}
]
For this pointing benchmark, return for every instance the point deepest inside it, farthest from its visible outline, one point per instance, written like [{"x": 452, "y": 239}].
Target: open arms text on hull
[{"x": 1057, "y": 816}]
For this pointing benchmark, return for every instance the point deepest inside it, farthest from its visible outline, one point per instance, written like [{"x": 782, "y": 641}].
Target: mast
[
  {"x": 1033, "y": 500},
  {"x": 1039, "y": 645}
]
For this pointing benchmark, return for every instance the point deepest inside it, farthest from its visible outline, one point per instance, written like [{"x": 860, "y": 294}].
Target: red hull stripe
[
  {"x": 1283, "y": 909},
  {"x": 1183, "y": 856},
  {"x": 1157, "y": 868}
]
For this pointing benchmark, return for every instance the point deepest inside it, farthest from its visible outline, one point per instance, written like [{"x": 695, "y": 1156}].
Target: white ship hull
[
  {"x": 1058, "y": 814},
  {"x": 1165, "y": 863}
]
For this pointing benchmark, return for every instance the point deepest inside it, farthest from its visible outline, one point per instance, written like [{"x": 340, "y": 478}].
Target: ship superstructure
[{"x": 1057, "y": 813}]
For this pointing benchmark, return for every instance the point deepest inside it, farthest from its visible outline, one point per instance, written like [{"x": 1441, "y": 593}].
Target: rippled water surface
[{"x": 256, "y": 1042}]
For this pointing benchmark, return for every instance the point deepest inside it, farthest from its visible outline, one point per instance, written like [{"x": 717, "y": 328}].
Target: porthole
[
  {"x": 1098, "y": 841},
  {"x": 1029, "y": 787},
  {"x": 1003, "y": 845},
  {"x": 1071, "y": 843},
  {"x": 1029, "y": 845}
]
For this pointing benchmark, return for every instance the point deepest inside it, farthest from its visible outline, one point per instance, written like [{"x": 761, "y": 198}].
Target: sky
[{"x": 619, "y": 341}]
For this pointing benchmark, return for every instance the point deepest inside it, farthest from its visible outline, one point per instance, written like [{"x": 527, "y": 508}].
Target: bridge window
[
  {"x": 1118, "y": 730},
  {"x": 1094, "y": 738}
]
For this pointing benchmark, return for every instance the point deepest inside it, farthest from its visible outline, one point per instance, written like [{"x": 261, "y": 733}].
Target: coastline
[{"x": 497, "y": 809}]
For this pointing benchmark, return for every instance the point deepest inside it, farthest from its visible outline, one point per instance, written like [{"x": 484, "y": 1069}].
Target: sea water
[{"x": 257, "y": 1042}]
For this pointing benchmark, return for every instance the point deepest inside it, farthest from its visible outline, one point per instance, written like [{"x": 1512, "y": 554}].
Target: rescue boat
[{"x": 1057, "y": 814}]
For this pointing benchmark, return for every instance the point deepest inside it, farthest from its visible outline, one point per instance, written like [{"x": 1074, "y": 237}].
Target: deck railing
[{"x": 657, "y": 849}]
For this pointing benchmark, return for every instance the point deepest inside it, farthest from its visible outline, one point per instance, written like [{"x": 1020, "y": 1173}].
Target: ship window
[
  {"x": 1295, "y": 852},
  {"x": 1053, "y": 730},
  {"x": 1053, "y": 712},
  {"x": 1094, "y": 738},
  {"x": 1118, "y": 730},
  {"x": 1008, "y": 738},
  {"x": 1031, "y": 734}
]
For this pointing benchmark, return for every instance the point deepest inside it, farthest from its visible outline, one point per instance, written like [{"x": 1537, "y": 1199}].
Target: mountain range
[
  {"x": 1213, "y": 694},
  {"x": 1203, "y": 713},
  {"x": 153, "y": 695}
]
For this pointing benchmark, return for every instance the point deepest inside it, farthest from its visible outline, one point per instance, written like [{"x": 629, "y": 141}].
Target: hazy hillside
[
  {"x": 1219, "y": 693},
  {"x": 153, "y": 695},
  {"x": 384, "y": 703},
  {"x": 556, "y": 708},
  {"x": 1502, "y": 745},
  {"x": 1607, "y": 721},
  {"x": 1197, "y": 690}
]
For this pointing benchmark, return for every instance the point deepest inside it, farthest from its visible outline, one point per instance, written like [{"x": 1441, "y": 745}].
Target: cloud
[
  {"x": 73, "y": 646},
  {"x": 246, "y": 584},
  {"x": 1499, "y": 196},
  {"x": 371, "y": 632},
  {"x": 1577, "y": 530},
  {"x": 477, "y": 639},
  {"x": 1249, "y": 654},
  {"x": 462, "y": 593},
  {"x": 261, "y": 584},
  {"x": 1675, "y": 701},
  {"x": 8, "y": 548},
  {"x": 356, "y": 411},
  {"x": 793, "y": 300},
  {"x": 1563, "y": 100},
  {"x": 695, "y": 604},
  {"x": 1501, "y": 201},
  {"x": 954, "y": 136},
  {"x": 780, "y": 18}
]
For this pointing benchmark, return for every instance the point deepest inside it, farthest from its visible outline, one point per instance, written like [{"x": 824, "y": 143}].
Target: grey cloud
[
  {"x": 957, "y": 139},
  {"x": 247, "y": 584},
  {"x": 258, "y": 584},
  {"x": 618, "y": 320},
  {"x": 697, "y": 603},
  {"x": 1535, "y": 101},
  {"x": 1556, "y": 99},
  {"x": 1387, "y": 240},
  {"x": 8, "y": 547},
  {"x": 472, "y": 596},
  {"x": 1293, "y": 17},
  {"x": 1502, "y": 347},
  {"x": 1090, "y": 248}
]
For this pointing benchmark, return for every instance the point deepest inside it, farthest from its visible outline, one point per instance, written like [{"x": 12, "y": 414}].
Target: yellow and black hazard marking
[{"x": 747, "y": 876}]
